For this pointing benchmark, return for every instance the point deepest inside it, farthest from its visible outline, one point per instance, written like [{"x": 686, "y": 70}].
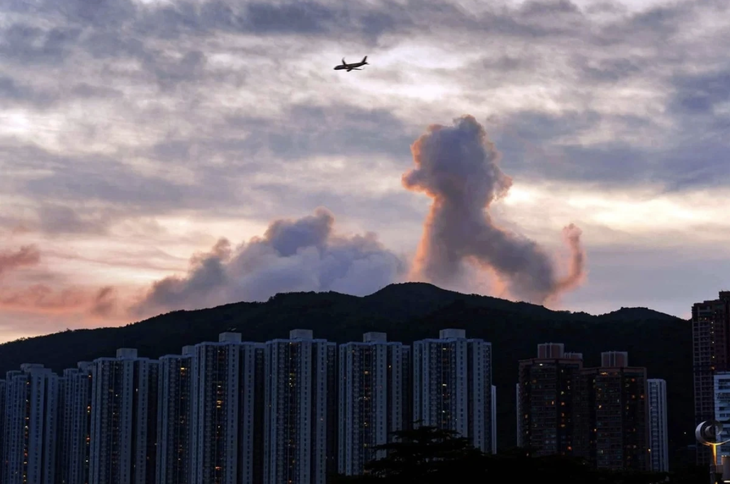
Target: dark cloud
[
  {"x": 699, "y": 94},
  {"x": 87, "y": 91},
  {"x": 533, "y": 20},
  {"x": 531, "y": 144},
  {"x": 534, "y": 147},
  {"x": 15, "y": 92},
  {"x": 342, "y": 20},
  {"x": 103, "y": 45},
  {"x": 170, "y": 72},
  {"x": 662, "y": 19},
  {"x": 28, "y": 255},
  {"x": 296, "y": 18},
  {"x": 508, "y": 64},
  {"x": 29, "y": 44},
  {"x": 113, "y": 21},
  {"x": 550, "y": 8},
  {"x": 609, "y": 70},
  {"x": 293, "y": 255},
  {"x": 18, "y": 92},
  {"x": 457, "y": 167},
  {"x": 696, "y": 166},
  {"x": 101, "y": 13}
]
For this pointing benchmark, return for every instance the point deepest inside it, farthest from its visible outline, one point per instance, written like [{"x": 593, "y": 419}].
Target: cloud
[
  {"x": 58, "y": 219},
  {"x": 13, "y": 91},
  {"x": 299, "y": 18},
  {"x": 104, "y": 303},
  {"x": 308, "y": 130},
  {"x": 44, "y": 299},
  {"x": 128, "y": 126},
  {"x": 293, "y": 255},
  {"x": 25, "y": 256},
  {"x": 697, "y": 94},
  {"x": 457, "y": 167}
]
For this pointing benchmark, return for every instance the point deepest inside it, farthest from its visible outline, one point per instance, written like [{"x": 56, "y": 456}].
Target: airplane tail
[{"x": 365, "y": 60}]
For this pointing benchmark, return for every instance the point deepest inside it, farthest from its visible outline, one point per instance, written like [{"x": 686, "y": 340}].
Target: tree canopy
[{"x": 426, "y": 455}]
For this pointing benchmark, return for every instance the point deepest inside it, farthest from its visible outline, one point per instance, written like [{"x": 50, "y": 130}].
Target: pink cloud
[{"x": 27, "y": 255}]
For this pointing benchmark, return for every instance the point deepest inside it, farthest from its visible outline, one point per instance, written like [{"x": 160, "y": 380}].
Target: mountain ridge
[{"x": 406, "y": 312}]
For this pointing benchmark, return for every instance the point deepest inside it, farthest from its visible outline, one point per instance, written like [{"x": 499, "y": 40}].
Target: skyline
[{"x": 141, "y": 136}]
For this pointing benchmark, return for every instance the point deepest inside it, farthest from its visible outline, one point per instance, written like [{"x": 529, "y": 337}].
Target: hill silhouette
[{"x": 407, "y": 312}]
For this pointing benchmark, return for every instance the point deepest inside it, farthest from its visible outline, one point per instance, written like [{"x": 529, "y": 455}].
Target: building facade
[
  {"x": 31, "y": 425},
  {"x": 722, "y": 411},
  {"x": 452, "y": 386},
  {"x": 658, "y": 438},
  {"x": 374, "y": 398},
  {"x": 614, "y": 414},
  {"x": 3, "y": 411},
  {"x": 494, "y": 419},
  {"x": 174, "y": 418},
  {"x": 519, "y": 416},
  {"x": 75, "y": 425},
  {"x": 300, "y": 409},
  {"x": 227, "y": 411},
  {"x": 123, "y": 419},
  {"x": 710, "y": 354},
  {"x": 549, "y": 401}
]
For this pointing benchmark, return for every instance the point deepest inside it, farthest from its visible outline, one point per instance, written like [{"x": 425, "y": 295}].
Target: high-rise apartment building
[
  {"x": 123, "y": 419},
  {"x": 722, "y": 411},
  {"x": 74, "y": 429},
  {"x": 658, "y": 438},
  {"x": 301, "y": 409},
  {"x": 710, "y": 351},
  {"x": 227, "y": 411},
  {"x": 375, "y": 398},
  {"x": 452, "y": 386},
  {"x": 548, "y": 401},
  {"x": 519, "y": 416},
  {"x": 494, "y": 419},
  {"x": 5, "y": 431},
  {"x": 2, "y": 427},
  {"x": 174, "y": 418},
  {"x": 31, "y": 424},
  {"x": 614, "y": 359},
  {"x": 614, "y": 414}
]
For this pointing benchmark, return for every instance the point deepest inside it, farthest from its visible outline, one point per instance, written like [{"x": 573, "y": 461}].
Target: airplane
[{"x": 353, "y": 66}]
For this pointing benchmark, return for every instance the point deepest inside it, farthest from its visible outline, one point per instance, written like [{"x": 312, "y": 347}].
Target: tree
[{"x": 427, "y": 454}]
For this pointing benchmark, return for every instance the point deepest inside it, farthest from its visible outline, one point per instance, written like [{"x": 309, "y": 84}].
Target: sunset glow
[{"x": 137, "y": 135}]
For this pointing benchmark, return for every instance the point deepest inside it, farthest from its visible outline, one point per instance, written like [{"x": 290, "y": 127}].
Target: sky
[{"x": 159, "y": 155}]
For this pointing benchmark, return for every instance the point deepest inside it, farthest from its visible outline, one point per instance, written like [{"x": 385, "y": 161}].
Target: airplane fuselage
[
  {"x": 349, "y": 66},
  {"x": 354, "y": 66}
]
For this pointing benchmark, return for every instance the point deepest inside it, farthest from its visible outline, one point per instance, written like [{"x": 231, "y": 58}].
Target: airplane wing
[{"x": 343, "y": 62}]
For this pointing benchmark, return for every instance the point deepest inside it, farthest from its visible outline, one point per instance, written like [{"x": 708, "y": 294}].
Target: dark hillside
[
  {"x": 407, "y": 312},
  {"x": 635, "y": 314}
]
